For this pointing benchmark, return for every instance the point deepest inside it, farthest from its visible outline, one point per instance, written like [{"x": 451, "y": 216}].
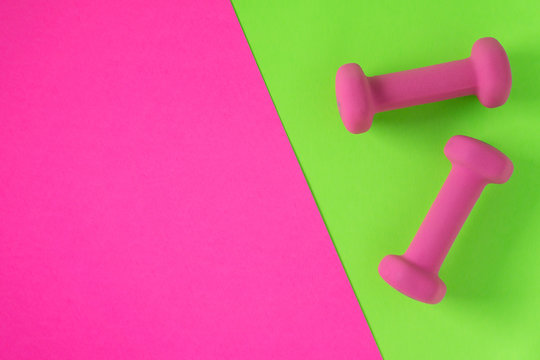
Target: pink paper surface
[{"x": 151, "y": 206}]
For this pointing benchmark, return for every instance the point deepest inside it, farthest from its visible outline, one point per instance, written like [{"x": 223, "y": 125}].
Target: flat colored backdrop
[
  {"x": 151, "y": 206},
  {"x": 374, "y": 189}
]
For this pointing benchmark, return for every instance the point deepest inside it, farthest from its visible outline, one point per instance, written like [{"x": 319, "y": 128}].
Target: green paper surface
[{"x": 374, "y": 189}]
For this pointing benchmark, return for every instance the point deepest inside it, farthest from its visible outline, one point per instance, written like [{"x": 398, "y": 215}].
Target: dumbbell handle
[
  {"x": 444, "y": 220},
  {"x": 423, "y": 85}
]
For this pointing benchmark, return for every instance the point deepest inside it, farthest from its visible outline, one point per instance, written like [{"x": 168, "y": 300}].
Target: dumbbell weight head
[
  {"x": 492, "y": 69},
  {"x": 490, "y": 165}
]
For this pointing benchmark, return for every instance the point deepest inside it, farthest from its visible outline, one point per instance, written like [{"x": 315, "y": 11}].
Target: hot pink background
[{"x": 151, "y": 206}]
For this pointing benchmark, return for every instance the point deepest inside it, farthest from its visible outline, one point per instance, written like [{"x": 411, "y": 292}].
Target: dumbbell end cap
[
  {"x": 492, "y": 69},
  {"x": 481, "y": 158},
  {"x": 354, "y": 100},
  {"x": 411, "y": 280}
]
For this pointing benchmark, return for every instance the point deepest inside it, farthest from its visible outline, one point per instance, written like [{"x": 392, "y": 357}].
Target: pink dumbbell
[
  {"x": 485, "y": 73},
  {"x": 474, "y": 165}
]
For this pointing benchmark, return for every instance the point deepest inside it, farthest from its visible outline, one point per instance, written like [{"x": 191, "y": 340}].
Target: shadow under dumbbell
[
  {"x": 524, "y": 86},
  {"x": 427, "y": 126}
]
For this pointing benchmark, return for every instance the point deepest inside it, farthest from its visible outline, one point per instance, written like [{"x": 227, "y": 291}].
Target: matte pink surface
[
  {"x": 474, "y": 165},
  {"x": 151, "y": 206},
  {"x": 486, "y": 74}
]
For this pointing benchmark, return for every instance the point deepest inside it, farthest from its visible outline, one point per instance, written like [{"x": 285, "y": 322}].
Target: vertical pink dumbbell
[
  {"x": 474, "y": 165},
  {"x": 485, "y": 73}
]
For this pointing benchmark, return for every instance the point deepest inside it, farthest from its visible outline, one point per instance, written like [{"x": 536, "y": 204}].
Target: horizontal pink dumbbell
[
  {"x": 474, "y": 165},
  {"x": 485, "y": 73}
]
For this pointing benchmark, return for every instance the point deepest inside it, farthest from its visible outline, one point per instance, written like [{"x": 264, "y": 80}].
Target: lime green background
[{"x": 374, "y": 189}]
